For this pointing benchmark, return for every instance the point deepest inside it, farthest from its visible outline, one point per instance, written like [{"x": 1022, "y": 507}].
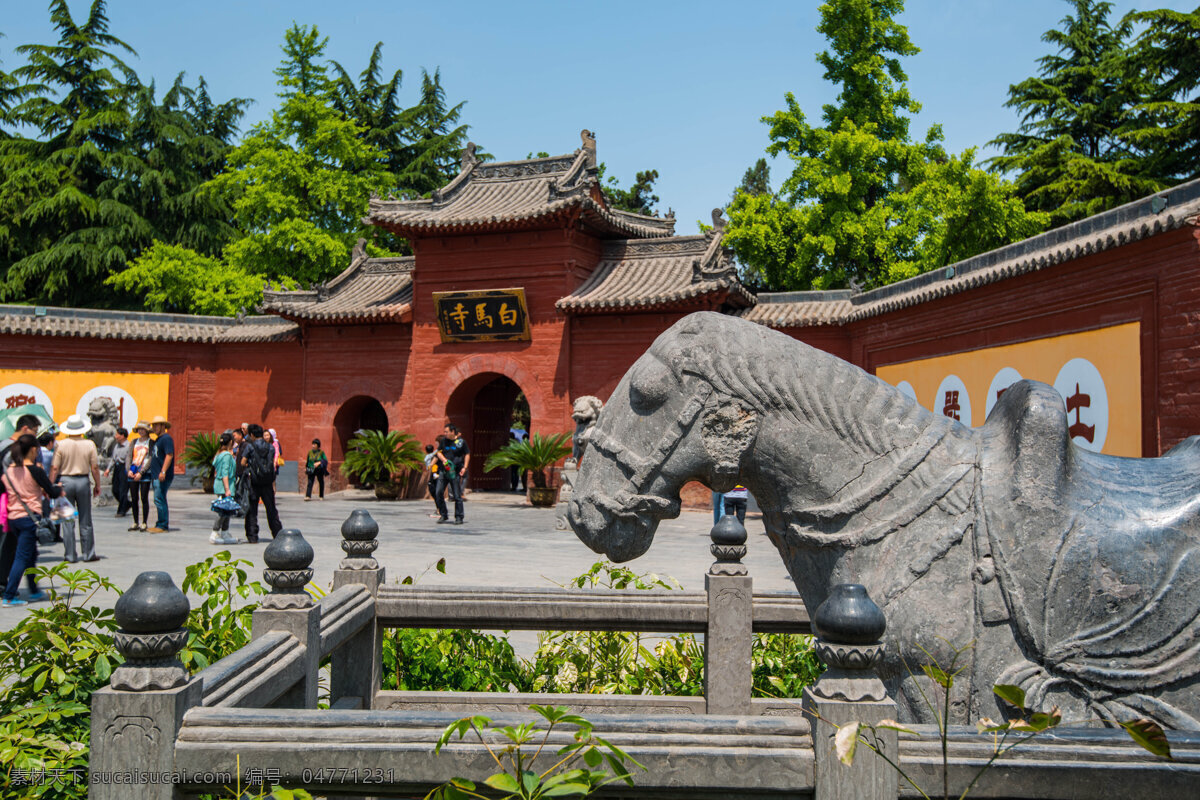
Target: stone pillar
[
  {"x": 357, "y": 665},
  {"x": 136, "y": 718},
  {"x": 849, "y": 627},
  {"x": 728, "y": 637},
  {"x": 289, "y": 608}
]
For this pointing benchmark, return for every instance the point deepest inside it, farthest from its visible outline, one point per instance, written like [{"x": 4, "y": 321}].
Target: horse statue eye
[{"x": 649, "y": 386}]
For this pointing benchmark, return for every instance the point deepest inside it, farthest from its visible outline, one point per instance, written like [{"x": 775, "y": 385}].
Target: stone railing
[{"x": 158, "y": 732}]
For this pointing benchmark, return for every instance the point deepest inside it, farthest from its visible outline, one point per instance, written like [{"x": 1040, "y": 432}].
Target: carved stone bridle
[{"x": 641, "y": 469}]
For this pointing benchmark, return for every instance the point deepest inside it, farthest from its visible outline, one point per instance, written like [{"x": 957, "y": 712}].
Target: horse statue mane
[{"x": 1076, "y": 575}]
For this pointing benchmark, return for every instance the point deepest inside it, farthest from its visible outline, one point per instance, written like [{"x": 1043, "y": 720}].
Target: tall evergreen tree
[
  {"x": 172, "y": 155},
  {"x": 1164, "y": 127},
  {"x": 757, "y": 179},
  {"x": 864, "y": 203},
  {"x": 1067, "y": 155},
  {"x": 434, "y": 139},
  {"x": 71, "y": 224},
  {"x": 374, "y": 105},
  {"x": 638, "y": 198}
]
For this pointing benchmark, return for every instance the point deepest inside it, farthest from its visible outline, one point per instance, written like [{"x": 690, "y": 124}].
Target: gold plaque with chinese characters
[{"x": 491, "y": 315}]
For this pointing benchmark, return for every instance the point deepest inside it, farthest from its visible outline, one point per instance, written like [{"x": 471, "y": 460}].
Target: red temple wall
[
  {"x": 298, "y": 388},
  {"x": 1154, "y": 281}
]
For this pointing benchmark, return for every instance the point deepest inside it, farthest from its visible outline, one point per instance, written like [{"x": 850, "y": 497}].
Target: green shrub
[
  {"x": 50, "y": 663},
  {"x": 218, "y": 627}
]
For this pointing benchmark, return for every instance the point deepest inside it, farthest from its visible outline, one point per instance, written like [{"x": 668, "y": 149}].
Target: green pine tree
[
  {"x": 69, "y": 217},
  {"x": 1067, "y": 156},
  {"x": 1164, "y": 128}
]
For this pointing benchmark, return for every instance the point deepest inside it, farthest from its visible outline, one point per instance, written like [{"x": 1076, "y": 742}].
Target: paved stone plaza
[{"x": 503, "y": 543}]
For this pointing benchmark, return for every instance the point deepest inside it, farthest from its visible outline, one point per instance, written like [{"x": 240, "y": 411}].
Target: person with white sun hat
[{"x": 77, "y": 466}]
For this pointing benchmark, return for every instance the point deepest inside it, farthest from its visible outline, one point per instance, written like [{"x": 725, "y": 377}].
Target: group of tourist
[
  {"x": 41, "y": 471},
  {"x": 244, "y": 473},
  {"x": 447, "y": 462}
]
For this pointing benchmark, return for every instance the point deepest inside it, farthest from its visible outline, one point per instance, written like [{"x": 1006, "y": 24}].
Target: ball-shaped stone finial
[
  {"x": 153, "y": 604},
  {"x": 288, "y": 551},
  {"x": 360, "y": 526},
  {"x": 728, "y": 531},
  {"x": 849, "y": 616}
]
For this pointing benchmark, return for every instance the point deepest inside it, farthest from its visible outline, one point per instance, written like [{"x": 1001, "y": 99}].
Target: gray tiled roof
[
  {"x": 511, "y": 195},
  {"x": 370, "y": 289},
  {"x": 799, "y": 309},
  {"x": 1149, "y": 216},
  {"x": 136, "y": 325},
  {"x": 1140, "y": 219},
  {"x": 658, "y": 273}
]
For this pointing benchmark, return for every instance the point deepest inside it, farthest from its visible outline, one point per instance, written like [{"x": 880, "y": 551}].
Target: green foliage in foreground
[
  {"x": 595, "y": 662},
  {"x": 518, "y": 778}
]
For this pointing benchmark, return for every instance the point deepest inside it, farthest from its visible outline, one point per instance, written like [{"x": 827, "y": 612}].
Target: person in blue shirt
[{"x": 162, "y": 471}]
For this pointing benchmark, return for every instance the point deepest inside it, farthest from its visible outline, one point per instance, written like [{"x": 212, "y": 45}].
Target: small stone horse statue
[{"x": 1076, "y": 575}]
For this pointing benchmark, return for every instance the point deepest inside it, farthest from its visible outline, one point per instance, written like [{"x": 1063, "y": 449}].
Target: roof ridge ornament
[
  {"x": 589, "y": 146},
  {"x": 467, "y": 157},
  {"x": 467, "y": 161}
]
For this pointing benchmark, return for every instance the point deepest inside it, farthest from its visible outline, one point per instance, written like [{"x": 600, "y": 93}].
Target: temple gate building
[{"x": 525, "y": 283}]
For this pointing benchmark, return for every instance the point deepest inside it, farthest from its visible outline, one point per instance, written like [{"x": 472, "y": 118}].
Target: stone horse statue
[{"x": 1076, "y": 575}]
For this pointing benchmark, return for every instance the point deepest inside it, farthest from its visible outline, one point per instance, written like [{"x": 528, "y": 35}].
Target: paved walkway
[{"x": 503, "y": 543}]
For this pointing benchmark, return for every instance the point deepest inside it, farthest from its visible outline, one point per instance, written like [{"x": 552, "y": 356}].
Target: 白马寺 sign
[{"x": 492, "y": 315}]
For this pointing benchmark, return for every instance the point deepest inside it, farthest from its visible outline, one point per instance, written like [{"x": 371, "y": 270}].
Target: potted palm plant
[
  {"x": 198, "y": 454},
  {"x": 378, "y": 458},
  {"x": 535, "y": 454}
]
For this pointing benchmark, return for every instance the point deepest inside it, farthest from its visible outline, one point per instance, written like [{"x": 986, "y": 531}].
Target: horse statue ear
[{"x": 727, "y": 432}]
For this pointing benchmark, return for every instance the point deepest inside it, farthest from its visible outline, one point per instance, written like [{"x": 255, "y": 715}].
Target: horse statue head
[{"x": 1055, "y": 562}]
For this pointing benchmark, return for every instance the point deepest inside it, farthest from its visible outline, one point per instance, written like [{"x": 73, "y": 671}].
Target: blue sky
[{"x": 677, "y": 87}]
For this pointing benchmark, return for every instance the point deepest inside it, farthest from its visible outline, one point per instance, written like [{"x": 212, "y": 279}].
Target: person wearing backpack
[{"x": 258, "y": 467}]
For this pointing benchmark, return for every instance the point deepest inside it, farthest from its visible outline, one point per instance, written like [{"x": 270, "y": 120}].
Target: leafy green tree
[
  {"x": 299, "y": 182},
  {"x": 69, "y": 224},
  {"x": 1068, "y": 156},
  {"x": 864, "y": 203},
  {"x": 169, "y": 277},
  {"x": 1165, "y": 126}
]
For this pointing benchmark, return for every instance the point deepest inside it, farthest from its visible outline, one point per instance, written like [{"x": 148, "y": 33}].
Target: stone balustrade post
[
  {"x": 136, "y": 718},
  {"x": 728, "y": 637},
  {"x": 848, "y": 628},
  {"x": 356, "y": 668},
  {"x": 289, "y": 608}
]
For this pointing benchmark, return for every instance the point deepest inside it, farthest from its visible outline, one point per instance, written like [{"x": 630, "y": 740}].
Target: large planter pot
[
  {"x": 387, "y": 491},
  {"x": 543, "y": 497},
  {"x": 207, "y": 483}
]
